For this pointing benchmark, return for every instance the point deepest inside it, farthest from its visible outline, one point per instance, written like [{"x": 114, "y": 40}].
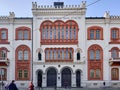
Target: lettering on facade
[{"x": 46, "y": 18}]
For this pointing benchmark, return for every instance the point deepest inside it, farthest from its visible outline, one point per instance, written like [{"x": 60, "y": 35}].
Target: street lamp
[{"x": 1, "y": 74}]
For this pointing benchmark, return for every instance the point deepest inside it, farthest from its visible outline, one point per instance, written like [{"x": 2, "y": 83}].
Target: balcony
[
  {"x": 4, "y": 61},
  {"x": 114, "y": 61}
]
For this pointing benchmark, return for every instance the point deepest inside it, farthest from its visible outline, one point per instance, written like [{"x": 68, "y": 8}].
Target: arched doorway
[
  {"x": 51, "y": 77},
  {"x": 39, "y": 81},
  {"x": 78, "y": 78},
  {"x": 66, "y": 77}
]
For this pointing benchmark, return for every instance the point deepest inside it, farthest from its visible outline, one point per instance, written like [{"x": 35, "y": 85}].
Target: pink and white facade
[{"x": 60, "y": 46}]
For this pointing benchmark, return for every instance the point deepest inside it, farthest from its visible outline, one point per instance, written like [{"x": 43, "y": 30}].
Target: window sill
[{"x": 4, "y": 42}]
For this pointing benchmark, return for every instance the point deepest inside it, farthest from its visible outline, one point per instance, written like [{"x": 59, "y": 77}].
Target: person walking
[
  {"x": 7, "y": 85},
  {"x": 13, "y": 86},
  {"x": 31, "y": 86}
]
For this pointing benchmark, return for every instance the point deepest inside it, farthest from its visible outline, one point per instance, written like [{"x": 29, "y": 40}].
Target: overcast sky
[{"x": 22, "y": 8}]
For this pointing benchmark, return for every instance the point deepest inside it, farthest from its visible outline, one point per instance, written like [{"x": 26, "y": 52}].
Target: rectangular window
[
  {"x": 19, "y": 73},
  {"x": 66, "y": 54},
  {"x": 97, "y": 54},
  {"x": 97, "y": 73},
  {"x": 19, "y": 35},
  {"x": 114, "y": 54},
  {"x": 54, "y": 54},
  {"x": 91, "y": 34},
  {"x": 62, "y": 54},
  {"x": 25, "y": 73},
  {"x": 46, "y": 33},
  {"x": 46, "y": 55},
  {"x": 43, "y": 34},
  {"x": 20, "y": 55},
  {"x": 70, "y": 33},
  {"x": 51, "y": 55},
  {"x": 91, "y": 54},
  {"x": 114, "y": 34},
  {"x": 3, "y": 55},
  {"x": 54, "y": 33},
  {"x": 26, "y": 33},
  {"x": 62, "y": 32},
  {"x": 58, "y": 54},
  {"x": 25, "y": 55},
  {"x": 50, "y": 33},
  {"x": 91, "y": 73},
  {"x": 98, "y": 34},
  {"x": 4, "y": 35},
  {"x": 58, "y": 33},
  {"x": 74, "y": 33},
  {"x": 66, "y": 32}
]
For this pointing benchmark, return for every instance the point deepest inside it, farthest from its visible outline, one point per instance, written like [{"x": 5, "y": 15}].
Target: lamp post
[{"x": 1, "y": 74}]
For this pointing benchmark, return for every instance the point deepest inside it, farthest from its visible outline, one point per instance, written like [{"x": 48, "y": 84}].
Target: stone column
[
  {"x": 59, "y": 80},
  {"x": 44, "y": 81},
  {"x": 73, "y": 80}
]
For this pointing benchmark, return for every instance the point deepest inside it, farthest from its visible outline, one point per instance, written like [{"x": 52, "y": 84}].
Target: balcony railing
[
  {"x": 114, "y": 61},
  {"x": 4, "y": 60}
]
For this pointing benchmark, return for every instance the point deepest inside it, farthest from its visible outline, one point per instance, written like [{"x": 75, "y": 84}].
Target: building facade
[{"x": 59, "y": 46}]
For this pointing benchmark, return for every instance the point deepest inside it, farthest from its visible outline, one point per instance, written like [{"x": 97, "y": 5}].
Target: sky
[{"x": 22, "y": 8}]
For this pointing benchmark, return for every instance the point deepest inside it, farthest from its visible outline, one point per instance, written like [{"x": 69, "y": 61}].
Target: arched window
[
  {"x": 3, "y": 33},
  {"x": 114, "y": 33},
  {"x": 23, "y": 33},
  {"x": 3, "y": 53},
  {"x": 115, "y": 52},
  {"x": 39, "y": 56},
  {"x": 95, "y": 33},
  {"x": 95, "y": 59},
  {"x": 59, "y": 30},
  {"x": 78, "y": 55},
  {"x": 22, "y": 55}
]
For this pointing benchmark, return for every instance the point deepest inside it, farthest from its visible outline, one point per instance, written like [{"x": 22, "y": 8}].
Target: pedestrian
[
  {"x": 7, "y": 85},
  {"x": 31, "y": 86},
  {"x": 13, "y": 86},
  {"x": 104, "y": 84}
]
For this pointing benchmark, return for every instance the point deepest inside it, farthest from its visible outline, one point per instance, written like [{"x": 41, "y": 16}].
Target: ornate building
[{"x": 60, "y": 46}]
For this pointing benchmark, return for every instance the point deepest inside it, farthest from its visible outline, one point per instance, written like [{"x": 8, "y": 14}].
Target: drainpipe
[{"x": 32, "y": 50}]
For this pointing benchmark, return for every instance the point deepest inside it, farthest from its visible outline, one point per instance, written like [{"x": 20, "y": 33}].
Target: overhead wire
[{"x": 81, "y": 8}]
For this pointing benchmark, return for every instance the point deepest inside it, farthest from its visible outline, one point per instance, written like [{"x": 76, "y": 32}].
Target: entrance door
[
  {"x": 39, "y": 78},
  {"x": 78, "y": 79},
  {"x": 51, "y": 77},
  {"x": 66, "y": 78}
]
